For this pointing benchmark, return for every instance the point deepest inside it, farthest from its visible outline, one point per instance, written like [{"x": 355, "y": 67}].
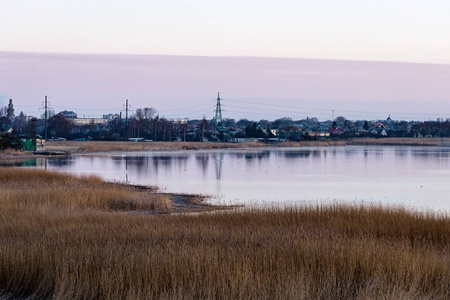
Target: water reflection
[
  {"x": 202, "y": 160},
  {"x": 61, "y": 162},
  {"x": 218, "y": 159},
  {"x": 33, "y": 162},
  {"x": 297, "y": 154},
  {"x": 391, "y": 174}
]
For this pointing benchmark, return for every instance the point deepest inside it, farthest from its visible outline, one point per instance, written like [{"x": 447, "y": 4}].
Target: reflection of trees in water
[
  {"x": 166, "y": 161},
  {"x": 298, "y": 154},
  {"x": 433, "y": 153},
  {"x": 378, "y": 152},
  {"x": 60, "y": 162},
  {"x": 118, "y": 160},
  {"x": 258, "y": 155},
  {"x": 23, "y": 163},
  {"x": 139, "y": 163},
  {"x": 238, "y": 155},
  {"x": 316, "y": 153},
  {"x": 351, "y": 152},
  {"x": 252, "y": 157},
  {"x": 146, "y": 164},
  {"x": 400, "y": 153},
  {"x": 202, "y": 160}
]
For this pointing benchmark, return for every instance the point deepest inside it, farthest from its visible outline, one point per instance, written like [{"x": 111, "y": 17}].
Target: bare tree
[{"x": 3, "y": 110}]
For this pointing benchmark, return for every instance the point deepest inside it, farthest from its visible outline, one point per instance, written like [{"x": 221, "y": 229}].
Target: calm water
[{"x": 414, "y": 176}]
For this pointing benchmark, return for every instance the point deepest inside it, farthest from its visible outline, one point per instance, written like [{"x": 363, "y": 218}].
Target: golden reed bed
[
  {"x": 64, "y": 237},
  {"x": 105, "y": 146}
]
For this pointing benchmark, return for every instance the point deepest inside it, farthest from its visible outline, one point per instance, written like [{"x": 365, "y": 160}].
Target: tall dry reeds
[
  {"x": 24, "y": 189},
  {"x": 107, "y": 146},
  {"x": 396, "y": 141},
  {"x": 54, "y": 249}
]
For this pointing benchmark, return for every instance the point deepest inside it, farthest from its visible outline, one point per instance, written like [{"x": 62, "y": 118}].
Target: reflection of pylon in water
[
  {"x": 218, "y": 117},
  {"x": 218, "y": 163}
]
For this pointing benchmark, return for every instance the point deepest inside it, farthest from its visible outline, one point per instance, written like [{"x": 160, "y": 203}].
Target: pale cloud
[{"x": 382, "y": 30}]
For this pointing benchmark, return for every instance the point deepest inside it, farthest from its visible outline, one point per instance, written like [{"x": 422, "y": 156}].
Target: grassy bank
[
  {"x": 77, "y": 238},
  {"x": 399, "y": 141},
  {"x": 105, "y": 146}
]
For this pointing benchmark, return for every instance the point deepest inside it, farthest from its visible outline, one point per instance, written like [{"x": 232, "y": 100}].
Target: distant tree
[
  {"x": 143, "y": 121},
  {"x": 50, "y": 113},
  {"x": 366, "y": 125},
  {"x": 243, "y": 123},
  {"x": 340, "y": 121},
  {"x": 3, "y": 110},
  {"x": 31, "y": 127},
  {"x": 229, "y": 122},
  {"x": 203, "y": 126},
  {"x": 251, "y": 130},
  {"x": 348, "y": 124},
  {"x": 260, "y": 133},
  {"x": 5, "y": 124},
  {"x": 20, "y": 123},
  {"x": 282, "y": 122},
  {"x": 58, "y": 125},
  {"x": 264, "y": 122}
]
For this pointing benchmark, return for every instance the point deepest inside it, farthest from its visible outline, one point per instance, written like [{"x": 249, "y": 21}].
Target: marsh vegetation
[{"x": 66, "y": 237}]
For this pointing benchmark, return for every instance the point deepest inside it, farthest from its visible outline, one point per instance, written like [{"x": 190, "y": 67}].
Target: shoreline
[{"x": 92, "y": 147}]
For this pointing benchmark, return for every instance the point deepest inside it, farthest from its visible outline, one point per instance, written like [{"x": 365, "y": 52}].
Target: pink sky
[{"x": 254, "y": 88}]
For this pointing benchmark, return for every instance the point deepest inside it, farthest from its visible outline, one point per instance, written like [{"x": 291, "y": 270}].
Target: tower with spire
[{"x": 10, "y": 110}]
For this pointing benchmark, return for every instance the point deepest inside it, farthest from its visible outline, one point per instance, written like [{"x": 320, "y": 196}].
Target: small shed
[{"x": 29, "y": 144}]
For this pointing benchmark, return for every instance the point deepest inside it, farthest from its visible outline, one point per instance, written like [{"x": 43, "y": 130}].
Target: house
[
  {"x": 68, "y": 114},
  {"x": 89, "y": 121},
  {"x": 335, "y": 131}
]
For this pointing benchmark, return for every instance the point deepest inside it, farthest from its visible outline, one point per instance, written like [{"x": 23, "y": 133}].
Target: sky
[{"x": 309, "y": 56}]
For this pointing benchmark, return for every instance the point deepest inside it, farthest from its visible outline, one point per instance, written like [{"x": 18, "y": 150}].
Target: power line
[{"x": 326, "y": 109}]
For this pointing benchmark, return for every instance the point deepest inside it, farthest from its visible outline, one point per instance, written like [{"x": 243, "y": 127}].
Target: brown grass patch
[
  {"x": 23, "y": 189},
  {"x": 106, "y": 146},
  {"x": 82, "y": 248},
  {"x": 399, "y": 141}
]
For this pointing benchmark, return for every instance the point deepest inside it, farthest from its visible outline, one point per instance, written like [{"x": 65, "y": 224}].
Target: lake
[{"x": 411, "y": 176}]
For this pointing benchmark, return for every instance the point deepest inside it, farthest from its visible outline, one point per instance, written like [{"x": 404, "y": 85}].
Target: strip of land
[
  {"x": 73, "y": 147},
  {"x": 68, "y": 237},
  {"x": 105, "y": 146}
]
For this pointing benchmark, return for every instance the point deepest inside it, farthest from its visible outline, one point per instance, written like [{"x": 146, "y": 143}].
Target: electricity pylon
[{"x": 218, "y": 117}]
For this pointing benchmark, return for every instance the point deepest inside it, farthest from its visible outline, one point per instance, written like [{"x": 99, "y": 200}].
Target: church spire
[{"x": 10, "y": 110}]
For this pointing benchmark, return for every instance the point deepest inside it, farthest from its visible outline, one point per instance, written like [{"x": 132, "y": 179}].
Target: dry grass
[
  {"x": 105, "y": 146},
  {"x": 76, "y": 247},
  {"x": 24, "y": 189},
  {"x": 325, "y": 143},
  {"x": 399, "y": 141}
]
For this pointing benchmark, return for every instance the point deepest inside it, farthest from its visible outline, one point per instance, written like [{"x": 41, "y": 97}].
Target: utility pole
[
  {"x": 126, "y": 120},
  {"x": 46, "y": 117}
]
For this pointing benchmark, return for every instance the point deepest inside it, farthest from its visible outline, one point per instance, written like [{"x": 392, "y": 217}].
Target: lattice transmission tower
[{"x": 218, "y": 118}]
